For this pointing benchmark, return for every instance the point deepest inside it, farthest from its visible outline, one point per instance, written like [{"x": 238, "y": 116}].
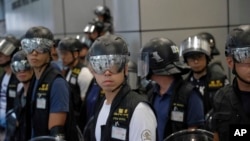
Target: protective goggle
[
  {"x": 40, "y": 45},
  {"x": 113, "y": 63},
  {"x": 241, "y": 55},
  {"x": 18, "y": 66}
]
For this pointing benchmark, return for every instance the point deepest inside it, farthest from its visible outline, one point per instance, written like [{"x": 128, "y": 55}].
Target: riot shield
[
  {"x": 45, "y": 138},
  {"x": 191, "y": 135}
]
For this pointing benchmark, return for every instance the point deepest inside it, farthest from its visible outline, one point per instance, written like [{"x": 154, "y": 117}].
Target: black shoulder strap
[{"x": 183, "y": 92}]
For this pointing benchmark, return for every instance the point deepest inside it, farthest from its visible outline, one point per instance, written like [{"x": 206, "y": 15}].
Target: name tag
[
  {"x": 41, "y": 103},
  {"x": 73, "y": 80},
  {"x": 177, "y": 116},
  {"x": 118, "y": 133},
  {"x": 12, "y": 93}
]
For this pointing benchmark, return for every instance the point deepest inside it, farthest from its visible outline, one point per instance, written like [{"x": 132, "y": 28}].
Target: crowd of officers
[{"x": 77, "y": 88}]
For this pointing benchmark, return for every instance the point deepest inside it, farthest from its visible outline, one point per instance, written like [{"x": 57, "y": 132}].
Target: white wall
[{"x": 136, "y": 20}]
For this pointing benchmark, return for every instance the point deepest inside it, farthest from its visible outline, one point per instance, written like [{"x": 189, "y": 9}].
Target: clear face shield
[
  {"x": 241, "y": 55},
  {"x": 113, "y": 63},
  {"x": 40, "y": 45},
  {"x": 18, "y": 66},
  {"x": 143, "y": 64}
]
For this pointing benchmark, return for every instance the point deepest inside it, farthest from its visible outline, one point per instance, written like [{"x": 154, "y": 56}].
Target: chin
[{"x": 107, "y": 89}]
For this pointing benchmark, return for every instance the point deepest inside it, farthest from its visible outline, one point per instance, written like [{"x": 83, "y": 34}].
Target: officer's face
[
  {"x": 37, "y": 60},
  {"x": 197, "y": 62},
  {"x": 68, "y": 57},
  {"x": 24, "y": 76},
  {"x": 242, "y": 69},
  {"x": 108, "y": 80},
  {"x": 3, "y": 58}
]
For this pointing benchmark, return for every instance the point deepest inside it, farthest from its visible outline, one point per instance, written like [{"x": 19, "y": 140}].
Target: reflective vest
[
  {"x": 121, "y": 111},
  {"x": 40, "y": 116},
  {"x": 179, "y": 100},
  {"x": 11, "y": 93}
]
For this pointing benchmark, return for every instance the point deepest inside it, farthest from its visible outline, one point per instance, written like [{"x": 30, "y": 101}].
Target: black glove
[{"x": 58, "y": 132}]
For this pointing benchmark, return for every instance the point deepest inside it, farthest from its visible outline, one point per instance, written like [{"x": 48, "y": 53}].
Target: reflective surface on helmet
[
  {"x": 41, "y": 45},
  {"x": 193, "y": 44},
  {"x": 89, "y": 28},
  {"x": 6, "y": 47},
  {"x": 241, "y": 55},
  {"x": 18, "y": 66},
  {"x": 101, "y": 63},
  {"x": 100, "y": 10},
  {"x": 191, "y": 135}
]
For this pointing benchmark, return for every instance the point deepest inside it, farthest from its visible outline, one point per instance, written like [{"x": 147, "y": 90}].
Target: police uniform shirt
[
  {"x": 139, "y": 130},
  {"x": 195, "y": 116},
  {"x": 199, "y": 83}
]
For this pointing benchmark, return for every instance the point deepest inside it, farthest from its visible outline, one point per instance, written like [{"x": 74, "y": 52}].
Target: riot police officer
[
  {"x": 178, "y": 105},
  {"x": 16, "y": 118},
  {"x": 196, "y": 52},
  {"x": 48, "y": 95},
  {"x": 9, "y": 45},
  {"x": 103, "y": 14},
  {"x": 77, "y": 75},
  {"x": 95, "y": 29},
  {"x": 231, "y": 103},
  {"x": 119, "y": 117}
]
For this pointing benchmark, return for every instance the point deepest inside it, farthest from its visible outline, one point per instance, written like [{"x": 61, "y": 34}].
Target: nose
[
  {"x": 107, "y": 73},
  {"x": 196, "y": 60},
  {"x": 33, "y": 52}
]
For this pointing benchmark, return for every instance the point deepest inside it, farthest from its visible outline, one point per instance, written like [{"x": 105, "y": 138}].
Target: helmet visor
[
  {"x": 143, "y": 64},
  {"x": 89, "y": 28},
  {"x": 18, "y": 66},
  {"x": 6, "y": 47},
  {"x": 41, "y": 45},
  {"x": 195, "y": 44},
  {"x": 101, "y": 63},
  {"x": 241, "y": 55}
]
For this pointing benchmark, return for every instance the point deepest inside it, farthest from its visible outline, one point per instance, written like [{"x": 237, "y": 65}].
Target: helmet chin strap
[
  {"x": 41, "y": 67},
  {"x": 119, "y": 86},
  {"x": 123, "y": 83},
  {"x": 72, "y": 62},
  {"x": 240, "y": 78}
]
